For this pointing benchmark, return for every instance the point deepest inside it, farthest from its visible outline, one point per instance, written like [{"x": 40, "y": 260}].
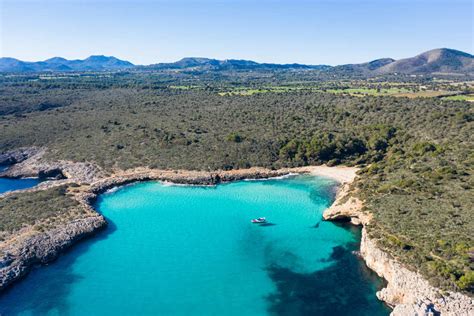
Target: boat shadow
[{"x": 267, "y": 224}]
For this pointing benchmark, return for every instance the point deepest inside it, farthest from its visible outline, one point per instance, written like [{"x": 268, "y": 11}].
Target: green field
[
  {"x": 368, "y": 91},
  {"x": 462, "y": 97}
]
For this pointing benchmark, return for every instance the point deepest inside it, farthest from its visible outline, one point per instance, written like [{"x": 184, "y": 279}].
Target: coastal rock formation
[
  {"x": 30, "y": 162},
  {"x": 18, "y": 155},
  {"x": 55, "y": 174},
  {"x": 188, "y": 177},
  {"x": 407, "y": 291},
  {"x": 19, "y": 255},
  {"x": 346, "y": 208}
]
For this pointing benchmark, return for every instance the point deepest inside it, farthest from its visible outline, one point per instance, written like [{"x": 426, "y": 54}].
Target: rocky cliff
[
  {"x": 347, "y": 208},
  {"x": 30, "y": 162},
  {"x": 407, "y": 291},
  {"x": 20, "y": 254}
]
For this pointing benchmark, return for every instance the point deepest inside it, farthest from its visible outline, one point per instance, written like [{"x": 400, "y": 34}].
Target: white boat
[{"x": 259, "y": 220}]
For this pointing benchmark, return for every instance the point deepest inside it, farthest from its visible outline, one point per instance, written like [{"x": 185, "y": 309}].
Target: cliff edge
[{"x": 407, "y": 292}]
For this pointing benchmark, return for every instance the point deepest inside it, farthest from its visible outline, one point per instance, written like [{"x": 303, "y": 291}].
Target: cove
[
  {"x": 191, "y": 250},
  {"x": 9, "y": 184}
]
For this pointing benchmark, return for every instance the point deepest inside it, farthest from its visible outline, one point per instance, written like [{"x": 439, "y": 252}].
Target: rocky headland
[{"x": 407, "y": 292}]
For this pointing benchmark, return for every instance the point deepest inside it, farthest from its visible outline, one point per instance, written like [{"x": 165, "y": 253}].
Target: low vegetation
[
  {"x": 416, "y": 154},
  {"x": 39, "y": 207}
]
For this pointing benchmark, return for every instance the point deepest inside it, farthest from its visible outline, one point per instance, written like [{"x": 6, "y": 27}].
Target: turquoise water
[{"x": 187, "y": 250}]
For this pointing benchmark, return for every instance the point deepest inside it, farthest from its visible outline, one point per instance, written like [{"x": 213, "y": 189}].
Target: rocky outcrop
[
  {"x": 18, "y": 256},
  {"x": 30, "y": 162},
  {"x": 346, "y": 208},
  {"x": 407, "y": 292},
  {"x": 18, "y": 155},
  {"x": 55, "y": 174},
  {"x": 20, "y": 251}
]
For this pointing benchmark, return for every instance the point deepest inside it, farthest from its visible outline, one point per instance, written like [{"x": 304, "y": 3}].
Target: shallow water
[{"x": 187, "y": 250}]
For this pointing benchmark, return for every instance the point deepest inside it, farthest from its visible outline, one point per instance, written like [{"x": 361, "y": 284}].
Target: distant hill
[
  {"x": 59, "y": 64},
  {"x": 364, "y": 68},
  {"x": 442, "y": 60},
  {"x": 202, "y": 64}
]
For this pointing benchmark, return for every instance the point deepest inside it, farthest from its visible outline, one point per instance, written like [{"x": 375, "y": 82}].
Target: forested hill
[{"x": 436, "y": 61}]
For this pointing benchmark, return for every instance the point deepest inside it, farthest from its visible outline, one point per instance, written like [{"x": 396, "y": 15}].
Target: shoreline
[
  {"x": 26, "y": 248},
  {"x": 406, "y": 291}
]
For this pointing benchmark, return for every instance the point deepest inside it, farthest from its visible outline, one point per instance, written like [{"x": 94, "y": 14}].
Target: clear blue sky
[{"x": 312, "y": 32}]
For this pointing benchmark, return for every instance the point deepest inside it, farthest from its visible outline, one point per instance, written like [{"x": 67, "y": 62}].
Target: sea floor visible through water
[{"x": 192, "y": 250}]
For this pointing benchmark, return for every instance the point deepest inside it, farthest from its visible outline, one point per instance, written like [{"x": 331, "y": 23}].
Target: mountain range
[
  {"x": 59, "y": 64},
  {"x": 442, "y": 60},
  {"x": 198, "y": 63}
]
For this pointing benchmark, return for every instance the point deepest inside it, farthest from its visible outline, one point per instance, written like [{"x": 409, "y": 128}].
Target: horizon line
[{"x": 226, "y": 59}]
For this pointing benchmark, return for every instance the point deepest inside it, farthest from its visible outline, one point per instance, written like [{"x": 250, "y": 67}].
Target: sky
[{"x": 302, "y": 31}]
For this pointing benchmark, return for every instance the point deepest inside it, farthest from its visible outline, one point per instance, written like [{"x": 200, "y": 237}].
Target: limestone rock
[
  {"x": 30, "y": 162},
  {"x": 408, "y": 291},
  {"x": 41, "y": 247}
]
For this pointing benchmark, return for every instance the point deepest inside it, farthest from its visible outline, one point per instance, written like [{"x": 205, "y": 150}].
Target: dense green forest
[{"x": 416, "y": 154}]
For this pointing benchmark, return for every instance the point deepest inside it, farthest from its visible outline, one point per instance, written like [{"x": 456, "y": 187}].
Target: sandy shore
[{"x": 342, "y": 174}]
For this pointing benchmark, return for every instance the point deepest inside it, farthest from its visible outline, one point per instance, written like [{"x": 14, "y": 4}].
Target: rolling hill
[
  {"x": 436, "y": 61},
  {"x": 59, "y": 64},
  {"x": 199, "y": 63},
  {"x": 364, "y": 68},
  {"x": 442, "y": 60}
]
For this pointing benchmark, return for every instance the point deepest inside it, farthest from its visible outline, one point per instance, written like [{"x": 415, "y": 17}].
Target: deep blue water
[
  {"x": 187, "y": 250},
  {"x": 7, "y": 184}
]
